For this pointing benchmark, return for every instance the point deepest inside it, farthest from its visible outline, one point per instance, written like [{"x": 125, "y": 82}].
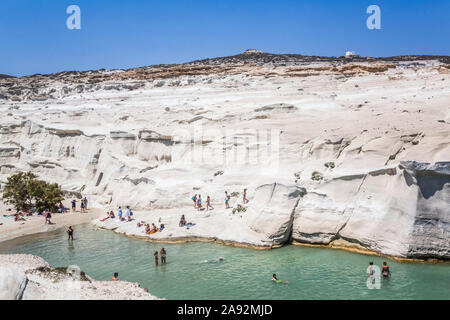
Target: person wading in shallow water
[
  {"x": 156, "y": 258},
  {"x": 385, "y": 270},
  {"x": 163, "y": 253},
  {"x": 70, "y": 233}
]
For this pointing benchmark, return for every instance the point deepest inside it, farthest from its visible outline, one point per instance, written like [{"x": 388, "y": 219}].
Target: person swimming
[
  {"x": 275, "y": 279},
  {"x": 218, "y": 259},
  {"x": 115, "y": 277}
]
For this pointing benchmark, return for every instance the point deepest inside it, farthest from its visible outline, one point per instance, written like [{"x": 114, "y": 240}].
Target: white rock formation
[
  {"x": 12, "y": 283},
  {"x": 323, "y": 146},
  {"x": 28, "y": 277}
]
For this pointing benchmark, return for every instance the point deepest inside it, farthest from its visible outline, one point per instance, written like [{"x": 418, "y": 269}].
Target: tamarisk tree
[{"x": 25, "y": 191}]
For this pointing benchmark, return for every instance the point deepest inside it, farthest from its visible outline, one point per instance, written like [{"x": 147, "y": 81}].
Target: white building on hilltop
[{"x": 351, "y": 54}]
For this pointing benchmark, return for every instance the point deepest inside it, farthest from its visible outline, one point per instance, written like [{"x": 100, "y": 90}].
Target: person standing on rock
[
  {"x": 208, "y": 203},
  {"x": 163, "y": 255},
  {"x": 194, "y": 198},
  {"x": 70, "y": 233},
  {"x": 120, "y": 213},
  {"x": 156, "y": 258},
  {"x": 47, "y": 217},
  {"x": 244, "y": 197},
  {"x": 82, "y": 206},
  {"x": 74, "y": 205},
  {"x": 127, "y": 215},
  {"x": 199, "y": 202},
  {"x": 227, "y": 200},
  {"x": 85, "y": 203}
]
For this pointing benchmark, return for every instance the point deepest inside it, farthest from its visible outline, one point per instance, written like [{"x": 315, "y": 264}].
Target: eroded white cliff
[{"x": 323, "y": 147}]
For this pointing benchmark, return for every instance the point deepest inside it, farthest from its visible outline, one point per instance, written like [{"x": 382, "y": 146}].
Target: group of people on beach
[
  {"x": 152, "y": 229},
  {"x": 83, "y": 205},
  {"x": 197, "y": 199},
  {"x": 198, "y": 202},
  {"x": 123, "y": 216},
  {"x": 18, "y": 216}
]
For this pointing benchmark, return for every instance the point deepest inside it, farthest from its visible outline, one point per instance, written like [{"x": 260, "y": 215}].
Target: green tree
[{"x": 25, "y": 191}]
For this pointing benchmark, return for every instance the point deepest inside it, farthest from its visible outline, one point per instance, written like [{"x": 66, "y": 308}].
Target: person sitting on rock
[
  {"x": 182, "y": 221},
  {"x": 19, "y": 217},
  {"x": 154, "y": 229},
  {"x": 147, "y": 229}
]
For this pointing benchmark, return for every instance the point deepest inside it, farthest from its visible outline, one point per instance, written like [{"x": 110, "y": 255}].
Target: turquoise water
[{"x": 192, "y": 272}]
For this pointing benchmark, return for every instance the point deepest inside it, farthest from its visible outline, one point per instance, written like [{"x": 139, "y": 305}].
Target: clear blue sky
[{"x": 132, "y": 33}]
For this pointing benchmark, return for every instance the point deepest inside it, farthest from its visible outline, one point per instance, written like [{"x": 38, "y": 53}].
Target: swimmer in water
[
  {"x": 219, "y": 259},
  {"x": 275, "y": 279}
]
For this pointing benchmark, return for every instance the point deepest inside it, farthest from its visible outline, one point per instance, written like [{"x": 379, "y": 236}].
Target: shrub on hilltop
[{"x": 25, "y": 191}]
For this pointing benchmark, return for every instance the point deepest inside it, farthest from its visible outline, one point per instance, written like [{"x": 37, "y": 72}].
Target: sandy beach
[{"x": 10, "y": 229}]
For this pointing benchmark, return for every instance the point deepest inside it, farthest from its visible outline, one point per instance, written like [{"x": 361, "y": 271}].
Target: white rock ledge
[{"x": 28, "y": 277}]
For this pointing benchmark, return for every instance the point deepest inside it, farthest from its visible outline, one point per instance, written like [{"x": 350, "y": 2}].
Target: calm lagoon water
[{"x": 193, "y": 272}]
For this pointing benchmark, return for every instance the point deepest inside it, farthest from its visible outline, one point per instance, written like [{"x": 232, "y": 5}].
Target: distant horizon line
[{"x": 248, "y": 51}]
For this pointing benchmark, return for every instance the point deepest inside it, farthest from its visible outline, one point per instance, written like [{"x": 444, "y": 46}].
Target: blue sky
[{"x": 132, "y": 33}]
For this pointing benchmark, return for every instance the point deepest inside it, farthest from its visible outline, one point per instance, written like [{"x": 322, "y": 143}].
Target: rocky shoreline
[
  {"x": 276, "y": 216},
  {"x": 28, "y": 277}
]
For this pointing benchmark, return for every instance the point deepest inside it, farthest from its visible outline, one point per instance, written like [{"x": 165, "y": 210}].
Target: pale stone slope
[{"x": 152, "y": 137}]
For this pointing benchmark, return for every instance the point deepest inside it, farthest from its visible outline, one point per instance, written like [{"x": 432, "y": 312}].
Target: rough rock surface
[
  {"x": 325, "y": 146},
  {"x": 12, "y": 283},
  {"x": 29, "y": 277}
]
